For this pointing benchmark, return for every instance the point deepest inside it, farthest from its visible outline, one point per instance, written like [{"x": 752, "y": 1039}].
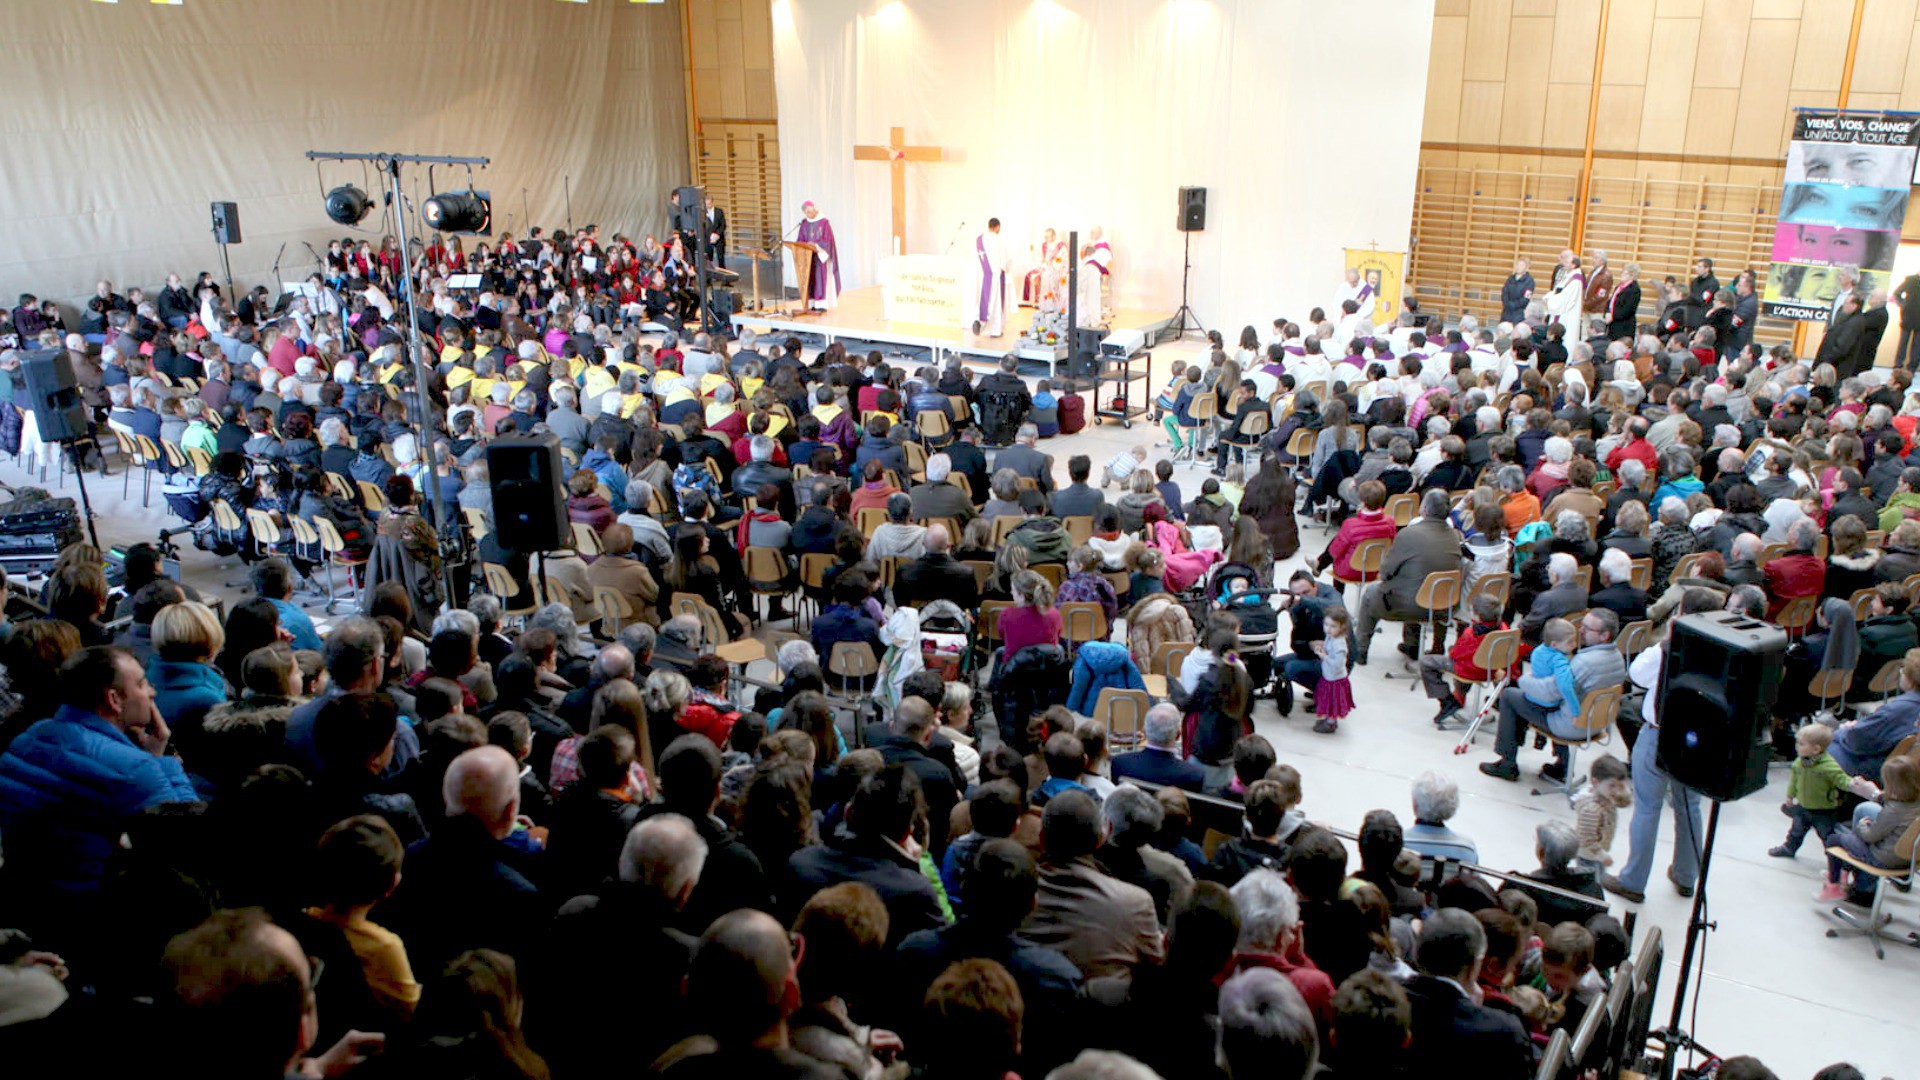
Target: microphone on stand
[{"x": 955, "y": 240}]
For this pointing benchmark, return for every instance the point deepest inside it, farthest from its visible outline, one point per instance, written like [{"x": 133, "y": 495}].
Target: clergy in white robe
[
  {"x": 1091, "y": 311},
  {"x": 993, "y": 281},
  {"x": 1356, "y": 289},
  {"x": 1569, "y": 292},
  {"x": 1103, "y": 262}
]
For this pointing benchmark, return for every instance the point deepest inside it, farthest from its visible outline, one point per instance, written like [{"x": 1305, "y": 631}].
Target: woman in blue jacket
[{"x": 186, "y": 638}]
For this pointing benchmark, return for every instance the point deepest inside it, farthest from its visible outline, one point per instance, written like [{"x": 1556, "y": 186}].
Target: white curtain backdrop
[{"x": 1301, "y": 118}]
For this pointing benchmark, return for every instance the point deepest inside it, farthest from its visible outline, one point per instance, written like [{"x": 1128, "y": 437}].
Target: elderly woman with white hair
[
  {"x": 1436, "y": 799},
  {"x": 1673, "y": 539}
]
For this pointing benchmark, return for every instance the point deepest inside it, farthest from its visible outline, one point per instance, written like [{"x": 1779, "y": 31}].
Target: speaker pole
[
  {"x": 73, "y": 448},
  {"x": 1186, "y": 313},
  {"x": 391, "y": 167},
  {"x": 1674, "y": 1037}
]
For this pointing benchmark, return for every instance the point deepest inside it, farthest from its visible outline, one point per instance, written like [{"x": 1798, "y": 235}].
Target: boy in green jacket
[{"x": 1814, "y": 788}]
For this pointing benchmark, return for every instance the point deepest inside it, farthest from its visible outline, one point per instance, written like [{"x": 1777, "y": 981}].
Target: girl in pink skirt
[{"x": 1333, "y": 699}]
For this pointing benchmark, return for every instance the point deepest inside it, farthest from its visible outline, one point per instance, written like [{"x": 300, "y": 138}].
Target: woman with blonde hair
[
  {"x": 1033, "y": 619},
  {"x": 186, "y": 684}
]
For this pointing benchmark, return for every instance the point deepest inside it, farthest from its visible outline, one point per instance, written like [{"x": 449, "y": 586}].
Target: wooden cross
[{"x": 898, "y": 153}]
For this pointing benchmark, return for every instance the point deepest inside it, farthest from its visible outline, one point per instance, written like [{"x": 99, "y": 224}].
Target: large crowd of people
[{"x": 531, "y": 815}]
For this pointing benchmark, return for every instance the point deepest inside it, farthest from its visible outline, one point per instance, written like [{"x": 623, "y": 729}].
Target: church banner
[
  {"x": 1383, "y": 271},
  {"x": 1845, "y": 201},
  {"x": 932, "y": 290}
]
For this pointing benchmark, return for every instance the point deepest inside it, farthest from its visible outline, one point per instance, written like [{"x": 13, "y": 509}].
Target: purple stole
[
  {"x": 986, "y": 278},
  {"x": 1103, "y": 246},
  {"x": 1296, "y": 350}
]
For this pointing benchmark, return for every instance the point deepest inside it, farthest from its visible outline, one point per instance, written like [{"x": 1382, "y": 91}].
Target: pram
[
  {"x": 1232, "y": 589},
  {"x": 946, "y": 636}
]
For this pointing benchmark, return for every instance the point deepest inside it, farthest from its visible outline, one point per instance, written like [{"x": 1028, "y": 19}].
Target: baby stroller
[
  {"x": 946, "y": 634},
  {"x": 1233, "y": 589}
]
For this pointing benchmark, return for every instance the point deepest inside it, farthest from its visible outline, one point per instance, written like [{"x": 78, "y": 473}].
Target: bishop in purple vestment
[{"x": 823, "y": 285}]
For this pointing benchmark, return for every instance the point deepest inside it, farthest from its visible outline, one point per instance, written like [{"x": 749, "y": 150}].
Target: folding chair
[
  {"x": 1595, "y": 725},
  {"x": 1082, "y": 622},
  {"x": 335, "y": 546},
  {"x": 1124, "y": 712},
  {"x": 1496, "y": 654},
  {"x": 1902, "y": 877}
]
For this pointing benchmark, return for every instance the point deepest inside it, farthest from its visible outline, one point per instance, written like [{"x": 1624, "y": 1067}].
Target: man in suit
[
  {"x": 1427, "y": 546},
  {"x": 1599, "y": 285},
  {"x": 1700, "y": 293},
  {"x": 937, "y": 575},
  {"x": 1447, "y": 1025},
  {"x": 970, "y": 461},
  {"x": 937, "y": 497},
  {"x": 1077, "y": 499},
  {"x": 1026, "y": 461},
  {"x": 1873, "y": 327},
  {"x": 714, "y": 233},
  {"x": 1160, "y": 761}
]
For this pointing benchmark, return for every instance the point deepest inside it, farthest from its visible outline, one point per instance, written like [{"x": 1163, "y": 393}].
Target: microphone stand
[{"x": 955, "y": 240}]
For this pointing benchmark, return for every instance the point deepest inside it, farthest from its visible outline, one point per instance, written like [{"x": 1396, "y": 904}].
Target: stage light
[
  {"x": 459, "y": 211},
  {"x": 347, "y": 204}
]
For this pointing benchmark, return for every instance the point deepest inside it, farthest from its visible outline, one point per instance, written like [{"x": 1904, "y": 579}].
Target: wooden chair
[
  {"x": 813, "y": 574},
  {"x": 337, "y": 554},
  {"x": 890, "y": 570},
  {"x": 1054, "y": 573},
  {"x": 1886, "y": 682},
  {"x": 1082, "y": 622},
  {"x": 1583, "y": 576},
  {"x": 869, "y": 519},
  {"x": 1769, "y": 553},
  {"x": 1079, "y": 528},
  {"x": 1496, "y": 654},
  {"x": 1003, "y": 527},
  {"x": 1301, "y": 443},
  {"x": 1606, "y": 489},
  {"x": 1203, "y": 410},
  {"x": 1594, "y": 726},
  {"x": 1124, "y": 712},
  {"x": 916, "y": 456},
  {"x": 501, "y": 584},
  {"x": 130, "y": 453},
  {"x": 1860, "y": 601},
  {"x": 850, "y": 661},
  {"x": 176, "y": 457},
  {"x": 1365, "y": 558},
  {"x": 201, "y": 460},
  {"x": 1641, "y": 576},
  {"x": 1164, "y": 665},
  {"x": 1498, "y": 585},
  {"x": 1688, "y": 566},
  {"x": 585, "y": 540},
  {"x": 266, "y": 533},
  {"x": 1830, "y": 684},
  {"x": 1401, "y": 508},
  {"x": 767, "y": 573},
  {"x": 987, "y": 627},
  {"x": 372, "y": 497},
  {"x": 1798, "y": 615},
  {"x": 476, "y": 521},
  {"x": 1634, "y": 639},
  {"x": 933, "y": 428},
  {"x": 982, "y": 571},
  {"x": 1907, "y": 853},
  {"x": 962, "y": 412},
  {"x": 615, "y": 611},
  {"x": 1438, "y": 596},
  {"x": 713, "y": 630}
]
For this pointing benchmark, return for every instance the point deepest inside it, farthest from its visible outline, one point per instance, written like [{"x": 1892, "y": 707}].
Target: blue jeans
[
  {"x": 1652, "y": 787},
  {"x": 1304, "y": 670}
]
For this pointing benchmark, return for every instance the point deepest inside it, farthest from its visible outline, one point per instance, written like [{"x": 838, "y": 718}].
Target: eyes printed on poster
[
  {"x": 1850, "y": 164},
  {"x": 1835, "y": 247},
  {"x": 1837, "y": 206}
]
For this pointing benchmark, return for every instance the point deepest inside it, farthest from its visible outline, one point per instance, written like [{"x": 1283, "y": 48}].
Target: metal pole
[
  {"x": 1676, "y": 1038},
  {"x": 413, "y": 347},
  {"x": 1073, "y": 304}
]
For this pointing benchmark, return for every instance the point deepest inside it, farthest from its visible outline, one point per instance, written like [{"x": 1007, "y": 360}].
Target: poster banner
[
  {"x": 1844, "y": 203},
  {"x": 929, "y": 289},
  {"x": 1384, "y": 271}
]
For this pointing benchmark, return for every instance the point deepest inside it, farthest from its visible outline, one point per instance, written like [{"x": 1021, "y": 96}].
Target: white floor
[{"x": 1775, "y": 986}]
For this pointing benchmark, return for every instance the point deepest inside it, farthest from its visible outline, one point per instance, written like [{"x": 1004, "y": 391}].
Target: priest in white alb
[
  {"x": 993, "y": 280},
  {"x": 1091, "y": 311},
  {"x": 1356, "y": 289},
  {"x": 1103, "y": 262},
  {"x": 1569, "y": 291}
]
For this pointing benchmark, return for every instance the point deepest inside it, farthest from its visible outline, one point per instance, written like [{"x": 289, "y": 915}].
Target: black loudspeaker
[
  {"x": 529, "y": 500},
  {"x": 53, "y": 395},
  {"x": 1717, "y": 691},
  {"x": 226, "y": 223},
  {"x": 1193, "y": 209},
  {"x": 688, "y": 204}
]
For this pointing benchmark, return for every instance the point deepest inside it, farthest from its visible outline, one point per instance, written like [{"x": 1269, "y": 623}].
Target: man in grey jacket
[{"x": 1427, "y": 546}]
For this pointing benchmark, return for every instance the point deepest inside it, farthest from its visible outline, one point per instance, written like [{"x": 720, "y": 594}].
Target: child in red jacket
[{"x": 1437, "y": 672}]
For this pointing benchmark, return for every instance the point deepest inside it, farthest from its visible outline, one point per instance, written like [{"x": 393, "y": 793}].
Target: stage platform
[{"x": 859, "y": 322}]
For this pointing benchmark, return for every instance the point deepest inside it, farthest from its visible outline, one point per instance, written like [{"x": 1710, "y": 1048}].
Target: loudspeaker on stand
[
  {"x": 53, "y": 395},
  {"x": 1193, "y": 209},
  {"x": 529, "y": 500},
  {"x": 1717, "y": 692}
]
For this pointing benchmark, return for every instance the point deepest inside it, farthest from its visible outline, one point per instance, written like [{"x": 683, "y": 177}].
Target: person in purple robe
[{"x": 823, "y": 280}]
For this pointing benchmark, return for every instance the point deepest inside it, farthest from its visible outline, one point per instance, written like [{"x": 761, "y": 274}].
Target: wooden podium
[{"x": 802, "y": 254}]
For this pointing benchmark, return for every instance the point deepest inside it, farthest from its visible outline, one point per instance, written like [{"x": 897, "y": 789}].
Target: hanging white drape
[{"x": 1301, "y": 118}]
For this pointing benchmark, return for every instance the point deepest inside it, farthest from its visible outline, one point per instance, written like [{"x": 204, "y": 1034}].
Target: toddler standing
[
  {"x": 1814, "y": 789},
  {"x": 1596, "y": 810},
  {"x": 1333, "y": 698},
  {"x": 1123, "y": 466}
]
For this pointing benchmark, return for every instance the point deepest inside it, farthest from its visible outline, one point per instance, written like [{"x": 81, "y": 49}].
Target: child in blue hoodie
[
  {"x": 1550, "y": 690},
  {"x": 1045, "y": 413}
]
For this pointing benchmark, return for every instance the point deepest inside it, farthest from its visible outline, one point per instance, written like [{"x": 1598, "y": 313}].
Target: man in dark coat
[
  {"x": 870, "y": 848},
  {"x": 937, "y": 575},
  {"x": 1841, "y": 345},
  {"x": 689, "y": 783},
  {"x": 1873, "y": 327},
  {"x": 1447, "y": 1024}
]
